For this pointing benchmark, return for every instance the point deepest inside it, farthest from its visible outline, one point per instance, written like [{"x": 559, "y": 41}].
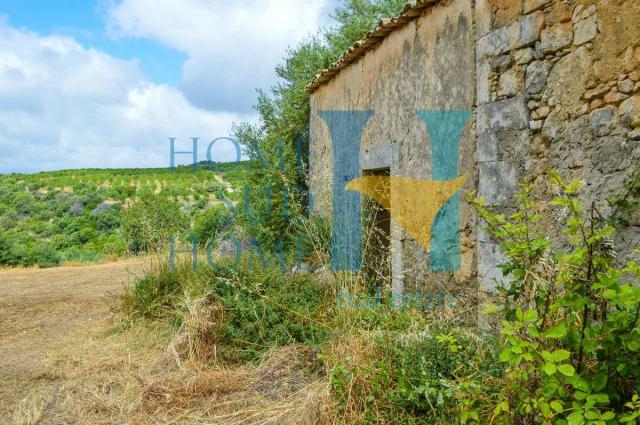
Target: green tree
[
  {"x": 283, "y": 130},
  {"x": 150, "y": 221}
]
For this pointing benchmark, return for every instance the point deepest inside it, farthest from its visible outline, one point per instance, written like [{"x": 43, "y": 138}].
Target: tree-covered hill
[{"x": 50, "y": 218}]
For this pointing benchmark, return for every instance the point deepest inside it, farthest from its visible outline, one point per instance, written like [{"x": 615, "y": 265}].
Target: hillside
[{"x": 52, "y": 218}]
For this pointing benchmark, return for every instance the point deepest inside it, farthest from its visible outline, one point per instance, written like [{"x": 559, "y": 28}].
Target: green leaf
[
  {"x": 600, "y": 398},
  {"x": 567, "y": 369},
  {"x": 503, "y": 406},
  {"x": 505, "y": 355},
  {"x": 547, "y": 356},
  {"x": 549, "y": 389},
  {"x": 607, "y": 416},
  {"x": 561, "y": 355},
  {"x": 549, "y": 368},
  {"x": 556, "y": 405},
  {"x": 592, "y": 414},
  {"x": 600, "y": 381},
  {"x": 490, "y": 309},
  {"x": 530, "y": 316},
  {"x": 575, "y": 418},
  {"x": 558, "y": 331}
]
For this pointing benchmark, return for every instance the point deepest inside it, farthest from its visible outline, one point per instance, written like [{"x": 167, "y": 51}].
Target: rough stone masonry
[{"x": 552, "y": 83}]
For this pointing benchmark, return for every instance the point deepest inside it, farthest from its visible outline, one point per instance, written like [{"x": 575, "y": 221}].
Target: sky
[{"x": 106, "y": 83}]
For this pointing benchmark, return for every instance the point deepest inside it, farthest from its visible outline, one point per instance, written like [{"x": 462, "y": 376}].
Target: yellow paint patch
[{"x": 412, "y": 203}]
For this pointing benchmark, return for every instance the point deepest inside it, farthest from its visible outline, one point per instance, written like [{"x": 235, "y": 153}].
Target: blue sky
[
  {"x": 85, "y": 21},
  {"x": 105, "y": 83}
]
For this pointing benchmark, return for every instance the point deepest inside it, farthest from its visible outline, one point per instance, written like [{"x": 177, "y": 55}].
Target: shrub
[
  {"x": 397, "y": 366},
  {"x": 6, "y": 251},
  {"x": 570, "y": 321},
  {"x": 76, "y": 254},
  {"x": 212, "y": 223},
  {"x": 262, "y": 306},
  {"x": 44, "y": 255},
  {"x": 150, "y": 221}
]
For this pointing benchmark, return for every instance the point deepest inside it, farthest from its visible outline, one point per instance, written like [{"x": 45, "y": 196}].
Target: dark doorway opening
[{"x": 377, "y": 237}]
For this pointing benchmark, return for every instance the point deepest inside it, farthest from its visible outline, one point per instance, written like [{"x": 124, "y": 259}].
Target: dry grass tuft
[
  {"x": 275, "y": 391},
  {"x": 197, "y": 338},
  {"x": 129, "y": 376}
]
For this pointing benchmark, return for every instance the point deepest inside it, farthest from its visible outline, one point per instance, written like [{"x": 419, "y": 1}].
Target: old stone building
[{"x": 540, "y": 84}]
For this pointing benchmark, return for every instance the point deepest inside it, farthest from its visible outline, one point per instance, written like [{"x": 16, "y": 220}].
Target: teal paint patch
[
  {"x": 445, "y": 131},
  {"x": 346, "y": 130}
]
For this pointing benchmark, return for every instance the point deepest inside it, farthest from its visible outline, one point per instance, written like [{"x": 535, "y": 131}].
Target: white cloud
[
  {"x": 66, "y": 106},
  {"x": 233, "y": 46}
]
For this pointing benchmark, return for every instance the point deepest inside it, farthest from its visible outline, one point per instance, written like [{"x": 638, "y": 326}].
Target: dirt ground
[
  {"x": 40, "y": 309},
  {"x": 66, "y": 358}
]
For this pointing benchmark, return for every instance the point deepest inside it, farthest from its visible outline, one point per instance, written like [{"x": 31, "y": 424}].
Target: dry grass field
[{"x": 66, "y": 358}]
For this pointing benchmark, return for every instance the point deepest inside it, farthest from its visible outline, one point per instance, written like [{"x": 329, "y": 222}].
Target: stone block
[
  {"x": 379, "y": 157},
  {"x": 500, "y": 62},
  {"x": 615, "y": 97},
  {"x": 625, "y": 86},
  {"x": 596, "y": 103},
  {"x": 583, "y": 12},
  {"x": 530, "y": 27},
  {"x": 510, "y": 83},
  {"x": 541, "y": 113},
  {"x": 483, "y": 89},
  {"x": 497, "y": 182},
  {"x": 603, "y": 121},
  {"x": 524, "y": 56},
  {"x": 597, "y": 92},
  {"x": 533, "y": 5},
  {"x": 536, "y": 124},
  {"x": 518, "y": 34},
  {"x": 569, "y": 78},
  {"x": 506, "y": 114},
  {"x": 634, "y": 134},
  {"x": 537, "y": 74},
  {"x": 556, "y": 37},
  {"x": 487, "y": 147},
  {"x": 630, "y": 112},
  {"x": 494, "y": 146},
  {"x": 585, "y": 30},
  {"x": 484, "y": 18},
  {"x": 489, "y": 260}
]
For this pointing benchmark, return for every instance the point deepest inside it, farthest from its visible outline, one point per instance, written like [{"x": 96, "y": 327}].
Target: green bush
[
  {"x": 571, "y": 320},
  {"x": 212, "y": 223},
  {"x": 263, "y": 307},
  {"x": 6, "y": 251},
  {"x": 396, "y": 366},
  {"x": 78, "y": 254},
  {"x": 150, "y": 221}
]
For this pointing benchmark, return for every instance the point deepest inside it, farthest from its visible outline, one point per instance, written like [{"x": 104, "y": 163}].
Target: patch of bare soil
[{"x": 39, "y": 309}]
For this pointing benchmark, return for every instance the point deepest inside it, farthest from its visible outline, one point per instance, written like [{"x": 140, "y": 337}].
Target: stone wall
[
  {"x": 554, "y": 84},
  {"x": 558, "y": 87}
]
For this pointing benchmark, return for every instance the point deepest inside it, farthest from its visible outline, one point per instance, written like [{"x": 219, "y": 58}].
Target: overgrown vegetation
[
  {"x": 570, "y": 316},
  {"x": 564, "y": 351},
  {"x": 253, "y": 307}
]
